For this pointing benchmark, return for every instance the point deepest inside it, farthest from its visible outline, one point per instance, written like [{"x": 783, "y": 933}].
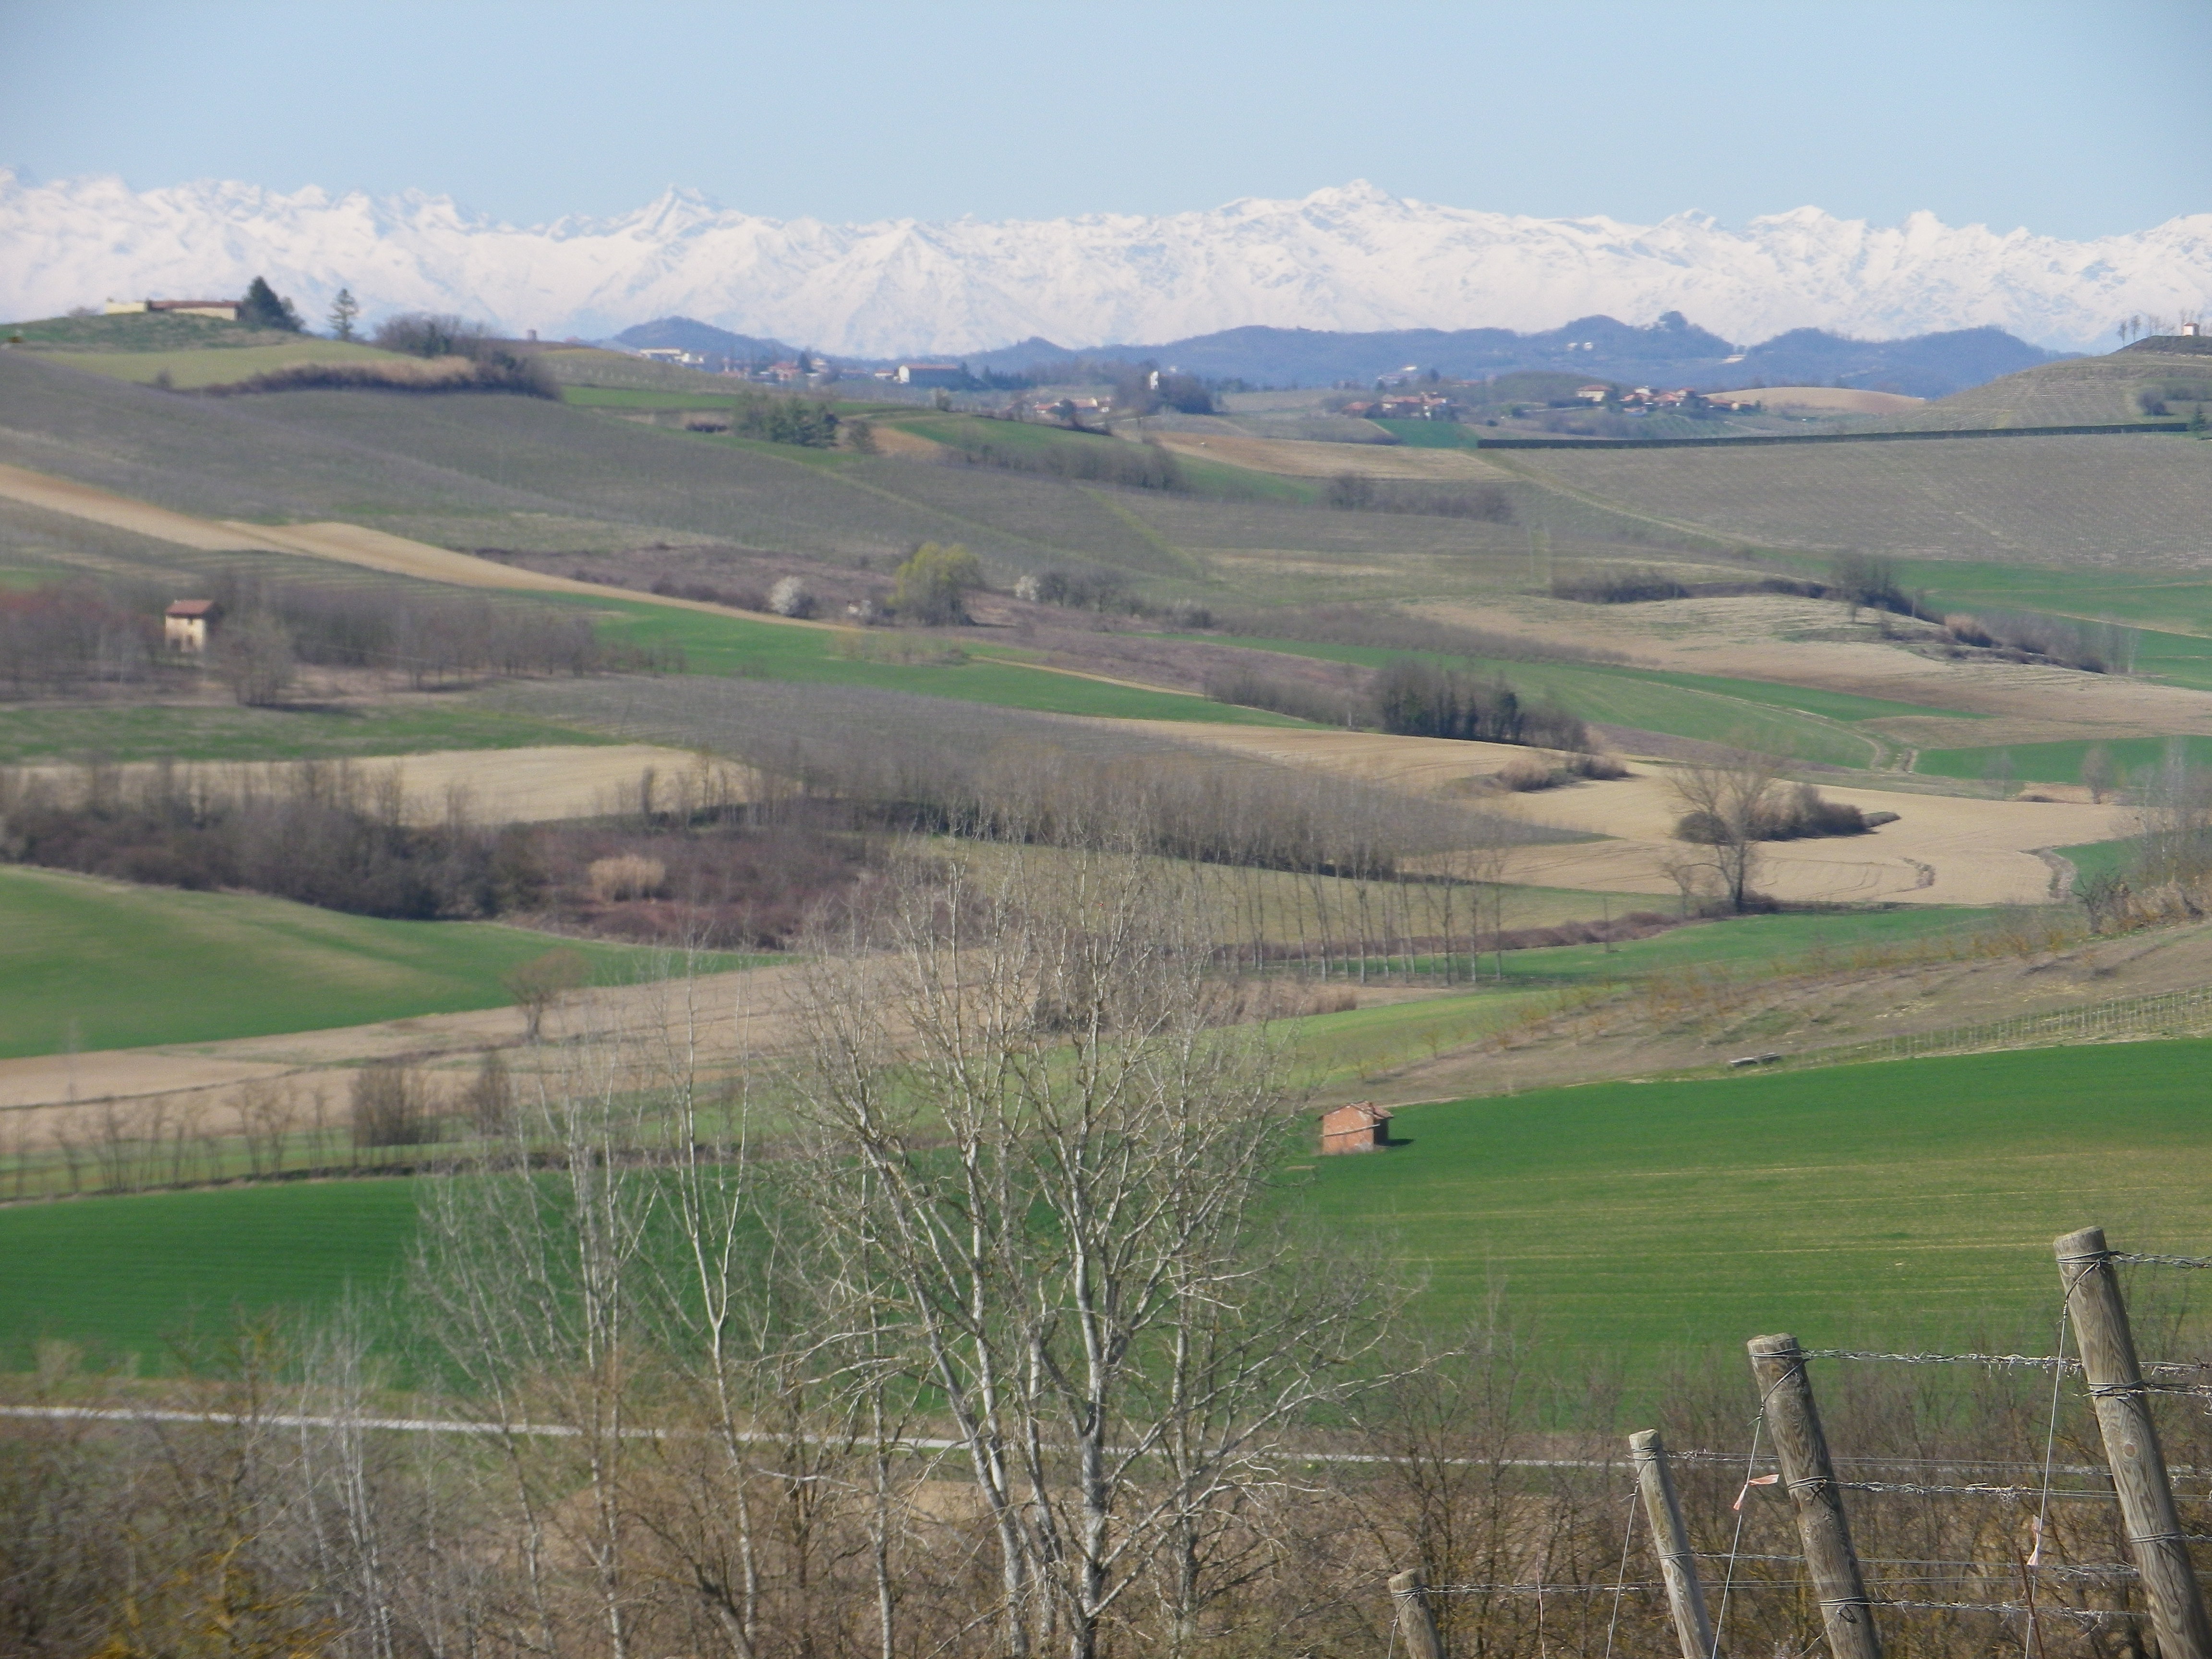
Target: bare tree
[
  {"x": 1055, "y": 1155},
  {"x": 2099, "y": 775},
  {"x": 1725, "y": 805}
]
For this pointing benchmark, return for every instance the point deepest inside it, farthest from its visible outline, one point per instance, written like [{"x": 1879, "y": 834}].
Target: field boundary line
[
  {"x": 1768, "y": 440},
  {"x": 2186, "y": 1012}
]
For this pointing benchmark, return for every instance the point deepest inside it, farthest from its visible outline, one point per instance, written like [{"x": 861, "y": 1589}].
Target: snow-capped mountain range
[{"x": 1354, "y": 258}]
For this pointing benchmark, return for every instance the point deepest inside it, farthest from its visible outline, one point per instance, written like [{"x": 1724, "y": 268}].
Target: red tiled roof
[{"x": 191, "y": 608}]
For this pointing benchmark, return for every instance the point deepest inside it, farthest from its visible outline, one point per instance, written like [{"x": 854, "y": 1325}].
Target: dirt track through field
[
  {"x": 347, "y": 543},
  {"x": 1943, "y": 849},
  {"x": 485, "y": 785}
]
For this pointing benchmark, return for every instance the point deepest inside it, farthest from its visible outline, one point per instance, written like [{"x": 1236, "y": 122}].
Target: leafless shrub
[
  {"x": 391, "y": 1106},
  {"x": 627, "y": 876},
  {"x": 489, "y": 1098},
  {"x": 1614, "y": 587},
  {"x": 1598, "y": 767},
  {"x": 1526, "y": 773},
  {"x": 1247, "y": 688},
  {"x": 539, "y": 985}
]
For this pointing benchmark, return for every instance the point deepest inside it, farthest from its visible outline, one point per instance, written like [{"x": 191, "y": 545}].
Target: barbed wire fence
[{"x": 2159, "y": 1587}]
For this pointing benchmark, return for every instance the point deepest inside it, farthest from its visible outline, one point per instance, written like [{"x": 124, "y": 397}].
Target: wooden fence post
[
  {"x": 2131, "y": 1448},
  {"x": 1678, "y": 1567},
  {"x": 1417, "y": 1619},
  {"x": 1792, "y": 1423}
]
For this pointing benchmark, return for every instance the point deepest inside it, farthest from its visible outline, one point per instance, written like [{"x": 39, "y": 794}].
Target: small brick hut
[{"x": 1360, "y": 1127}]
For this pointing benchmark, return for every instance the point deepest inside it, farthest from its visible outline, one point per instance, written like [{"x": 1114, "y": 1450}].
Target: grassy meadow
[
  {"x": 2060, "y": 763},
  {"x": 1800, "y": 723},
  {"x": 737, "y": 646},
  {"x": 191, "y": 368},
  {"x": 1900, "y": 1204},
  {"x": 217, "y": 732},
  {"x": 89, "y": 964},
  {"x": 136, "y": 1281},
  {"x": 1626, "y": 1224}
]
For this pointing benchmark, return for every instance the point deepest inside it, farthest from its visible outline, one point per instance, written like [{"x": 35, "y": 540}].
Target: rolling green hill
[
  {"x": 2076, "y": 390},
  {"x": 88, "y": 964}
]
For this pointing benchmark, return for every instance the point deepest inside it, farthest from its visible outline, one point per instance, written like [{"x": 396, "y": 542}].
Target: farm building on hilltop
[
  {"x": 185, "y": 624},
  {"x": 227, "y": 310},
  {"x": 1363, "y": 1127},
  {"x": 938, "y": 374}
]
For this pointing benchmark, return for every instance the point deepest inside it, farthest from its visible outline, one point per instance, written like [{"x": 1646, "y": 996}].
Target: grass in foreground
[{"x": 90, "y": 964}]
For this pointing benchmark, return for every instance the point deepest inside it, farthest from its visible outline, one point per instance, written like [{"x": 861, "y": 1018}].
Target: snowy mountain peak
[{"x": 1350, "y": 256}]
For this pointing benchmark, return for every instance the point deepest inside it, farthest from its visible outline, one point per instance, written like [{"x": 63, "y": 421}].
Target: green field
[
  {"x": 1775, "y": 942},
  {"x": 775, "y": 651},
  {"x": 1893, "y": 1205},
  {"x": 192, "y": 367},
  {"x": 88, "y": 964},
  {"x": 1781, "y": 719},
  {"x": 2060, "y": 763},
  {"x": 140, "y": 1276},
  {"x": 218, "y": 733},
  {"x": 1900, "y": 1204},
  {"x": 2098, "y": 858},
  {"x": 1433, "y": 434}
]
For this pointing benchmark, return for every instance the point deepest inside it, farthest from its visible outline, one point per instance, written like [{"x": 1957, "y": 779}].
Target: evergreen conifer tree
[
  {"x": 343, "y": 310},
  {"x": 263, "y": 308}
]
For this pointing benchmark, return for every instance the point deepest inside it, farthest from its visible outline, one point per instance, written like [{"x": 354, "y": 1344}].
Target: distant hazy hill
[
  {"x": 2157, "y": 376},
  {"x": 1672, "y": 351},
  {"x": 1352, "y": 258},
  {"x": 683, "y": 334}
]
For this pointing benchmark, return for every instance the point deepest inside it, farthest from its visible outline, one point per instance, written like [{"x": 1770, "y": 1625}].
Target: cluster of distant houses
[
  {"x": 1420, "y": 406},
  {"x": 810, "y": 369},
  {"x": 1644, "y": 400}
]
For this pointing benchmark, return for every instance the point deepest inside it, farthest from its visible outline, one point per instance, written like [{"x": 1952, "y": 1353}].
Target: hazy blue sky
[{"x": 2069, "y": 116}]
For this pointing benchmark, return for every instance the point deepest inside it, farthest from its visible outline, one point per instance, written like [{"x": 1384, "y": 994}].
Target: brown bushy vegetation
[
  {"x": 1801, "y": 813},
  {"x": 1246, "y": 687},
  {"x": 889, "y": 761},
  {"x": 1356, "y": 492},
  {"x": 1394, "y": 630},
  {"x": 496, "y": 371},
  {"x": 317, "y": 834},
  {"x": 1527, "y": 773},
  {"x": 2094, "y": 648},
  {"x": 58, "y": 639},
  {"x": 677, "y": 865},
  {"x": 1417, "y": 699},
  {"x": 1087, "y": 459}
]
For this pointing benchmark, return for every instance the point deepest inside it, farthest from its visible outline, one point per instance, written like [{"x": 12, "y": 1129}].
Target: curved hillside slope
[{"x": 2076, "y": 392}]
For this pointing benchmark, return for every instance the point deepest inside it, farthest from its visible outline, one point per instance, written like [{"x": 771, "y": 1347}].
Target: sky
[{"x": 2059, "y": 116}]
